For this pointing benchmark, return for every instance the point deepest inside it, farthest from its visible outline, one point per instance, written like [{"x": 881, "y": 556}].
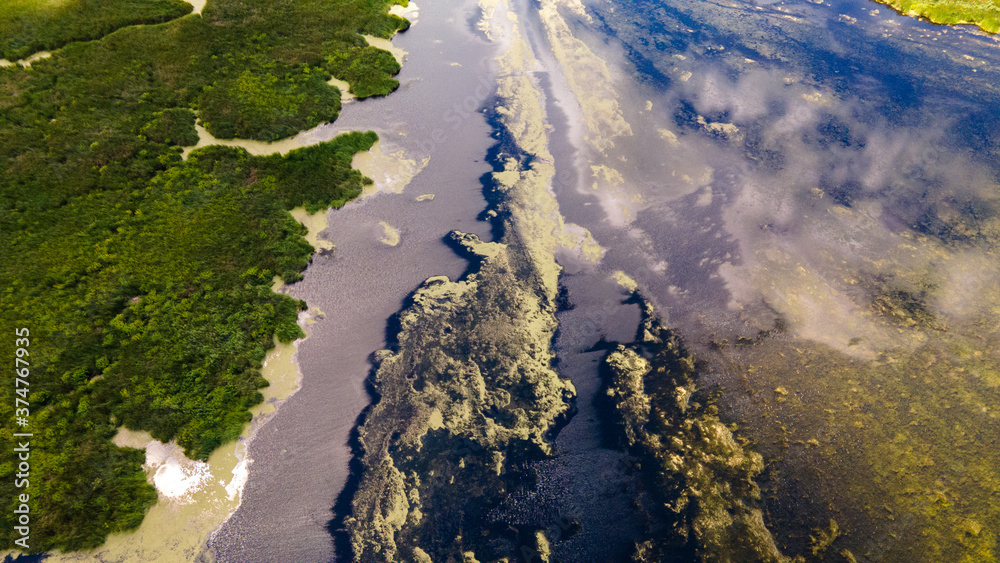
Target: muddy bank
[{"x": 195, "y": 497}]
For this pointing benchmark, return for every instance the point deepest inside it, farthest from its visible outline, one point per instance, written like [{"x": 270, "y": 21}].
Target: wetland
[{"x": 603, "y": 280}]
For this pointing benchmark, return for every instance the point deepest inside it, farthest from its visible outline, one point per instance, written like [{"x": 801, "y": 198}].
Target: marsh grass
[
  {"x": 28, "y": 26},
  {"x": 145, "y": 279}
]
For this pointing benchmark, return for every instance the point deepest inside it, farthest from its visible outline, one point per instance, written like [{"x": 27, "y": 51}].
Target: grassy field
[
  {"x": 144, "y": 280},
  {"x": 984, "y": 13}
]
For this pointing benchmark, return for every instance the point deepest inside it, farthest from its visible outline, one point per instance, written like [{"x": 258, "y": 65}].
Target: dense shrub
[{"x": 144, "y": 279}]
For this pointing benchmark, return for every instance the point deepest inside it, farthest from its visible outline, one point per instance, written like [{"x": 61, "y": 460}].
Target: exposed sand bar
[
  {"x": 411, "y": 12},
  {"x": 391, "y": 171},
  {"x": 345, "y": 90},
  {"x": 316, "y": 223}
]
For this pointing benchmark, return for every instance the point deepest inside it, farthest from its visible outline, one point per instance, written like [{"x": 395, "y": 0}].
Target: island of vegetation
[
  {"x": 144, "y": 279},
  {"x": 984, "y": 13}
]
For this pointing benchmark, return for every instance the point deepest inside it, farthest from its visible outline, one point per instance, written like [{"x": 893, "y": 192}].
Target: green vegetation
[
  {"x": 466, "y": 399},
  {"x": 699, "y": 498},
  {"x": 144, "y": 279},
  {"x": 28, "y": 26},
  {"x": 984, "y": 13},
  {"x": 174, "y": 126},
  {"x": 253, "y": 102},
  {"x": 369, "y": 71}
]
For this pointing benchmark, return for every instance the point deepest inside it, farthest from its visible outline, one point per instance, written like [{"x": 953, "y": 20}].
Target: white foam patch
[
  {"x": 177, "y": 481},
  {"x": 174, "y": 475},
  {"x": 240, "y": 475}
]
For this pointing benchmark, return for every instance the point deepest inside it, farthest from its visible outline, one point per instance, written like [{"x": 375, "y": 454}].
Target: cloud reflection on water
[{"x": 825, "y": 191}]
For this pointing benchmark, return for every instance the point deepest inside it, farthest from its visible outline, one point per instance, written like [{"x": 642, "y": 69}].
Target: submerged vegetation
[
  {"x": 901, "y": 448},
  {"x": 700, "y": 499},
  {"x": 466, "y": 399},
  {"x": 144, "y": 280},
  {"x": 984, "y": 13}
]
